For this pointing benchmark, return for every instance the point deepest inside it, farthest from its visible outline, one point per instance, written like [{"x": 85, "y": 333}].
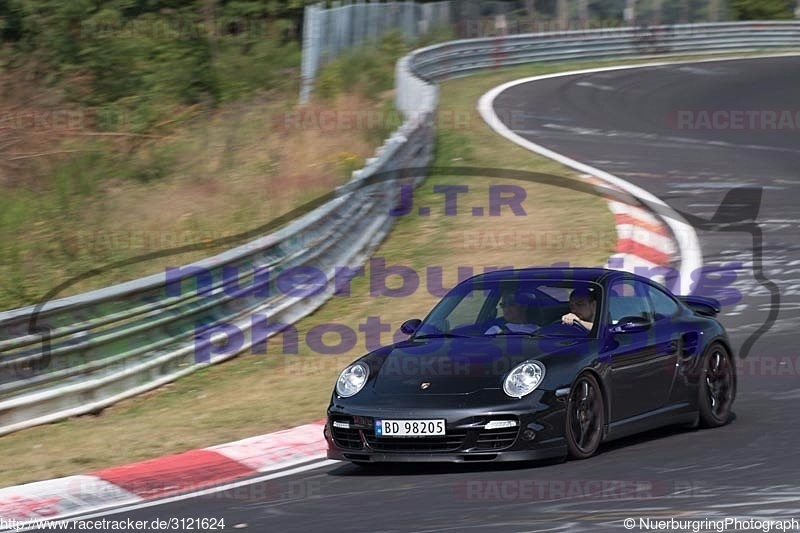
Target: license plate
[{"x": 409, "y": 428}]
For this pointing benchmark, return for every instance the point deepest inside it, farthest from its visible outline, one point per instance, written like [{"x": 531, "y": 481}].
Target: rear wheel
[
  {"x": 585, "y": 417},
  {"x": 717, "y": 387}
]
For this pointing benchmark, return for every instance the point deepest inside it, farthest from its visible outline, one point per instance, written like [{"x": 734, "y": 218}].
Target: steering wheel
[
  {"x": 503, "y": 329},
  {"x": 575, "y": 323}
]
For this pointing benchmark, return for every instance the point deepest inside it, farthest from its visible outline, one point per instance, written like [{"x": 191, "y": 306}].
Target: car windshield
[{"x": 533, "y": 307}]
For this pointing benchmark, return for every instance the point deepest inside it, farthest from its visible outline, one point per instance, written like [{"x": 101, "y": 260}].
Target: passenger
[{"x": 515, "y": 313}]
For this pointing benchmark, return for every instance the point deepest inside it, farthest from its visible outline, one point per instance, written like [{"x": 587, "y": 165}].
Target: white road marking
[{"x": 594, "y": 86}]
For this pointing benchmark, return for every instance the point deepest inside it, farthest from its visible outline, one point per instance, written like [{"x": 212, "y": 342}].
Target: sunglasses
[{"x": 507, "y": 304}]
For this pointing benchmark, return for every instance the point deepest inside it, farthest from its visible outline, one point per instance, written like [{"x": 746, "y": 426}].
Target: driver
[
  {"x": 582, "y": 307},
  {"x": 515, "y": 314}
]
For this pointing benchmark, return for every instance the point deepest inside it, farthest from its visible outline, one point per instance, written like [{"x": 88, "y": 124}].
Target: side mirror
[
  {"x": 409, "y": 327},
  {"x": 630, "y": 324}
]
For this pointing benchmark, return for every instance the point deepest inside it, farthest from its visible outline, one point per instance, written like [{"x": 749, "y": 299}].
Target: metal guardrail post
[{"x": 311, "y": 50}]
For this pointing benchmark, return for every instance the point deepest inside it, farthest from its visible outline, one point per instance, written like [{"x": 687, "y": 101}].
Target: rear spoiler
[{"x": 702, "y": 305}]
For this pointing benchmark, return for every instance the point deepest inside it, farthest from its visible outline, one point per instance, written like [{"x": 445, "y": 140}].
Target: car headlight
[
  {"x": 352, "y": 379},
  {"x": 523, "y": 379}
]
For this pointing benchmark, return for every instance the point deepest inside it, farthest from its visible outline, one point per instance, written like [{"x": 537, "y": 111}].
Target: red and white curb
[
  {"x": 645, "y": 244},
  {"x": 163, "y": 477}
]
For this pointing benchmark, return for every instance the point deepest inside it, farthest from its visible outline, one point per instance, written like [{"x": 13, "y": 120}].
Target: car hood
[{"x": 461, "y": 365}]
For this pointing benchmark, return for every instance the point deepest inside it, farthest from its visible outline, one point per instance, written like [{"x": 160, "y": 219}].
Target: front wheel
[
  {"x": 717, "y": 387},
  {"x": 585, "y": 417}
]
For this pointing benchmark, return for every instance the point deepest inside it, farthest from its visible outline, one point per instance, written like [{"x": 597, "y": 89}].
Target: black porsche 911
[{"x": 535, "y": 363}]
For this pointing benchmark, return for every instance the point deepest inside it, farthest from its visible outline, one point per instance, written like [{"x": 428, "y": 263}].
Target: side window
[
  {"x": 628, "y": 298},
  {"x": 663, "y": 305}
]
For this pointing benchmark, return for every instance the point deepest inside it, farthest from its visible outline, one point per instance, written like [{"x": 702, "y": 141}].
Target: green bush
[
  {"x": 152, "y": 162},
  {"x": 763, "y": 9},
  {"x": 368, "y": 69},
  {"x": 164, "y": 49},
  {"x": 247, "y": 67},
  {"x": 328, "y": 83},
  {"x": 45, "y": 29}
]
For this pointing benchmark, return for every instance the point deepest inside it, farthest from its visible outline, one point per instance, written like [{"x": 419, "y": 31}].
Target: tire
[
  {"x": 717, "y": 387},
  {"x": 585, "y": 417}
]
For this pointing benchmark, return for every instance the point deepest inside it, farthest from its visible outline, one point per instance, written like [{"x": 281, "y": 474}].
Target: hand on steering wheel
[
  {"x": 575, "y": 322},
  {"x": 579, "y": 324}
]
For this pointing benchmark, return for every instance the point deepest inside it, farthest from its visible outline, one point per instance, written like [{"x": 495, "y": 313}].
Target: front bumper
[
  {"x": 467, "y": 457},
  {"x": 537, "y": 434}
]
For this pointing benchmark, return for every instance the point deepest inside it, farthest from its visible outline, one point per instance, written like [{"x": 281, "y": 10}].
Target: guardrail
[
  {"x": 79, "y": 354},
  {"x": 459, "y": 58}
]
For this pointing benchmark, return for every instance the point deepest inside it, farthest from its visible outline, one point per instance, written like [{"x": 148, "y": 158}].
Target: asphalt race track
[{"x": 629, "y": 123}]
